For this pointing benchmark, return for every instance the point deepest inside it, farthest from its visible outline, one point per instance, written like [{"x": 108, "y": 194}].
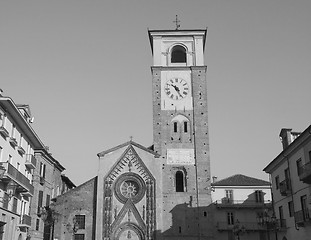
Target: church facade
[{"x": 159, "y": 192}]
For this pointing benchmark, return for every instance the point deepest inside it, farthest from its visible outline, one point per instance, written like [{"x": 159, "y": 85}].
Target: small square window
[
  {"x": 80, "y": 219},
  {"x": 79, "y": 237}
]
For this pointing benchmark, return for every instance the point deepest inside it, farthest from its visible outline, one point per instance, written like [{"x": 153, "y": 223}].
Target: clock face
[{"x": 176, "y": 88}]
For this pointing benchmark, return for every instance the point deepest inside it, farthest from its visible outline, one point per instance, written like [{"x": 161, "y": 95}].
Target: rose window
[{"x": 129, "y": 186}]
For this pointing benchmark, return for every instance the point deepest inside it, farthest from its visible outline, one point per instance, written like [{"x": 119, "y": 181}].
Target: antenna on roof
[{"x": 177, "y": 22}]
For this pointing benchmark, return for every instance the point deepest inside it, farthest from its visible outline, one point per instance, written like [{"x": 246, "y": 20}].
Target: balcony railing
[
  {"x": 302, "y": 216},
  {"x": 305, "y": 173},
  {"x": 25, "y": 221},
  {"x": 31, "y": 161},
  {"x": 4, "y": 132},
  {"x": 240, "y": 203},
  {"x": 248, "y": 226},
  {"x": 21, "y": 150},
  {"x": 279, "y": 225},
  {"x": 285, "y": 187},
  {"x": 11, "y": 172},
  {"x": 13, "y": 141}
]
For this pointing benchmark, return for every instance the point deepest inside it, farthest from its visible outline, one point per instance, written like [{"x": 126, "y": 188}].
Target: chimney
[{"x": 287, "y": 136}]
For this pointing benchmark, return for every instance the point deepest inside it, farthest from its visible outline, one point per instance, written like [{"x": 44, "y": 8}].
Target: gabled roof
[
  {"x": 241, "y": 180},
  {"x": 101, "y": 154}
]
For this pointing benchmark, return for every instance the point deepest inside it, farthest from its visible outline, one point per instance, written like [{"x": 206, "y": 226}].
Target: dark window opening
[
  {"x": 175, "y": 127},
  {"x": 277, "y": 182},
  {"x": 80, "y": 219},
  {"x": 185, "y": 127},
  {"x": 259, "y": 196},
  {"x": 204, "y": 214},
  {"x": 179, "y": 181},
  {"x": 178, "y": 55},
  {"x": 299, "y": 166},
  {"x": 79, "y": 237},
  {"x": 230, "y": 218},
  {"x": 179, "y": 229},
  {"x": 37, "y": 224}
]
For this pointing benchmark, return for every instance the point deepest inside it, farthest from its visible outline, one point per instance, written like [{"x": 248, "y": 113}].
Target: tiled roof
[{"x": 241, "y": 180}]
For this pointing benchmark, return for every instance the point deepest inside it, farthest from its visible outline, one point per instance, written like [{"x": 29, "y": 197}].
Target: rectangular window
[
  {"x": 1, "y": 150},
  {"x": 277, "y": 182},
  {"x": 21, "y": 140},
  {"x": 1, "y": 121},
  {"x": 304, "y": 207},
  {"x": 13, "y": 131},
  {"x": 309, "y": 156},
  {"x": 230, "y": 218},
  {"x": 48, "y": 199},
  {"x": 281, "y": 215},
  {"x": 14, "y": 206},
  {"x": 80, "y": 219},
  {"x": 229, "y": 194},
  {"x": 40, "y": 201},
  {"x": 299, "y": 166},
  {"x": 42, "y": 170},
  {"x": 259, "y": 196},
  {"x": 79, "y": 236},
  {"x": 37, "y": 224},
  {"x": 287, "y": 175},
  {"x": 175, "y": 127},
  {"x": 185, "y": 127},
  {"x": 291, "y": 208}
]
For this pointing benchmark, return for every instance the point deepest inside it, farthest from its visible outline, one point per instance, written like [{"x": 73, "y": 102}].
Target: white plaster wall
[{"x": 239, "y": 193}]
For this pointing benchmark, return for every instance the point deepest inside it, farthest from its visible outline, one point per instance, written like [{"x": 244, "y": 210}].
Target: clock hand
[{"x": 176, "y": 89}]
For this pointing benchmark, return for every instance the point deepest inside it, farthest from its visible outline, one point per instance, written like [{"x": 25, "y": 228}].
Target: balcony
[
  {"x": 302, "y": 216},
  {"x": 21, "y": 150},
  {"x": 11, "y": 173},
  {"x": 31, "y": 161},
  {"x": 285, "y": 187},
  {"x": 279, "y": 225},
  {"x": 248, "y": 226},
  {"x": 25, "y": 221},
  {"x": 4, "y": 132},
  {"x": 305, "y": 173},
  {"x": 13, "y": 141},
  {"x": 229, "y": 203}
]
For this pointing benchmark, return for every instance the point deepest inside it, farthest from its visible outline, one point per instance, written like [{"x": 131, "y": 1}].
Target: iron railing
[{"x": 17, "y": 177}]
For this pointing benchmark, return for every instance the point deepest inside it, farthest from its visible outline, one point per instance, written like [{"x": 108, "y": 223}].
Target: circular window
[{"x": 129, "y": 186}]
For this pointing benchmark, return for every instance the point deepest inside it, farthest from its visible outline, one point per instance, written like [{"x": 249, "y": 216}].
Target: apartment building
[
  {"x": 243, "y": 208},
  {"x": 290, "y": 173},
  {"x": 29, "y": 175}
]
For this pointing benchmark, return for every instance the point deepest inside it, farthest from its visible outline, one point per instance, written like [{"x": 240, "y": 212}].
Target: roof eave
[{"x": 12, "y": 109}]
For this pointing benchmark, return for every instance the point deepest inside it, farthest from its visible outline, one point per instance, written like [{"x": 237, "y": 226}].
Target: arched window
[
  {"x": 175, "y": 127},
  {"x": 178, "y": 55},
  {"x": 185, "y": 127},
  {"x": 179, "y": 184}
]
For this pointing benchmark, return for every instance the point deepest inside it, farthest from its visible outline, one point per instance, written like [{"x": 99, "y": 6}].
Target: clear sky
[{"x": 84, "y": 69}]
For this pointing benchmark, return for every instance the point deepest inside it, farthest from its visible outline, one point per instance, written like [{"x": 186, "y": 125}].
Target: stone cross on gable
[{"x": 177, "y": 22}]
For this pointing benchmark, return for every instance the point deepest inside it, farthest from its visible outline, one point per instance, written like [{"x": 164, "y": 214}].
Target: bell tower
[{"x": 180, "y": 127}]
